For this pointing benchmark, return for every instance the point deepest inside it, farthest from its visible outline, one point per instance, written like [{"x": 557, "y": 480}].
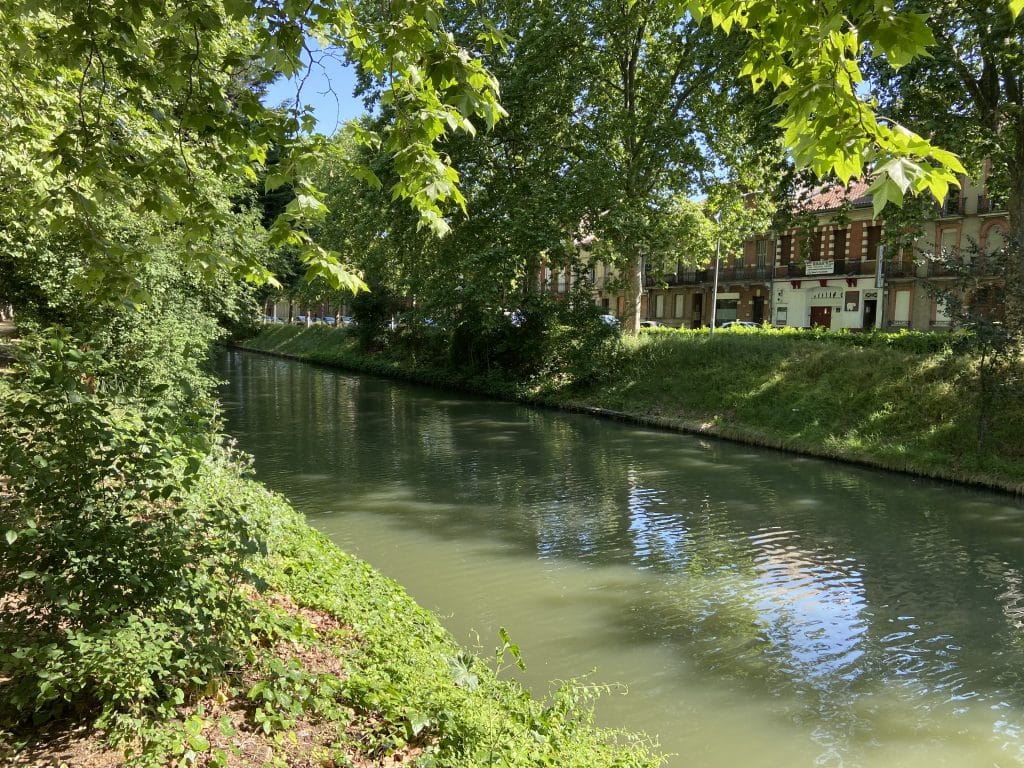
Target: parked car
[
  {"x": 740, "y": 324},
  {"x": 515, "y": 316},
  {"x": 610, "y": 320},
  {"x": 650, "y": 324},
  {"x": 330, "y": 320},
  {"x": 299, "y": 320}
]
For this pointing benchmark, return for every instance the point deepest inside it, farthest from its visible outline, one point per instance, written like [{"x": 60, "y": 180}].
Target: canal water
[{"x": 756, "y": 608}]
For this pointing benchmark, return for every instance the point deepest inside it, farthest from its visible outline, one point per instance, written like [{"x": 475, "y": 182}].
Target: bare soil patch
[{"x": 229, "y": 726}]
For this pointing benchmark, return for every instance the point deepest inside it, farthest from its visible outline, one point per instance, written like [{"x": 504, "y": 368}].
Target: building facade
[{"x": 833, "y": 272}]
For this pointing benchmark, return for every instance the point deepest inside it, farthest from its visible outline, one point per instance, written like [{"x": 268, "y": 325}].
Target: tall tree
[
  {"x": 135, "y": 101},
  {"x": 969, "y": 94},
  {"x": 521, "y": 202},
  {"x": 656, "y": 99}
]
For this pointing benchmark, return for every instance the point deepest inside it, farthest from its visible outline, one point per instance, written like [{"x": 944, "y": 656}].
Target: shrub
[{"x": 124, "y": 551}]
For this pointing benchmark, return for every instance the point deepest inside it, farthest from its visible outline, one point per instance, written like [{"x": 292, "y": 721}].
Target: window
[
  {"x": 814, "y": 252},
  {"x": 680, "y": 303},
  {"x": 659, "y": 305},
  {"x": 839, "y": 241},
  {"x": 785, "y": 249},
  {"x": 726, "y": 310},
  {"x": 951, "y": 205},
  {"x": 901, "y": 312},
  {"x": 950, "y": 244},
  {"x": 874, "y": 240},
  {"x": 761, "y": 251},
  {"x": 994, "y": 240},
  {"x": 561, "y": 281}
]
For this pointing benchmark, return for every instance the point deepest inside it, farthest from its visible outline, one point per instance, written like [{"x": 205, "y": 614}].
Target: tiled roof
[{"x": 832, "y": 196}]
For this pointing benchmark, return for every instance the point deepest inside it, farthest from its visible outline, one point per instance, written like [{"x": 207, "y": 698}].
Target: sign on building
[{"x": 820, "y": 267}]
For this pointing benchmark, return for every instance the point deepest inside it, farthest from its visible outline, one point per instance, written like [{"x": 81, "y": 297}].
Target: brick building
[{"x": 828, "y": 272}]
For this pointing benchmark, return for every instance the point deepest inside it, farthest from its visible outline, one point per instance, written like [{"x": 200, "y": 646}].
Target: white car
[{"x": 739, "y": 324}]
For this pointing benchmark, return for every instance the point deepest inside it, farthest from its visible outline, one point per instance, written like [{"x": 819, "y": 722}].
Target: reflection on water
[{"x": 763, "y": 609}]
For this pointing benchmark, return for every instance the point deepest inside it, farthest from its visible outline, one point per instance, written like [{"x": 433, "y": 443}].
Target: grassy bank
[
  {"x": 408, "y": 685},
  {"x": 345, "y": 670},
  {"x": 899, "y": 403},
  {"x": 209, "y": 625}
]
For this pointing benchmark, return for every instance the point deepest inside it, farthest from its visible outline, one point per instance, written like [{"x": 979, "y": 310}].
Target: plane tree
[{"x": 968, "y": 94}]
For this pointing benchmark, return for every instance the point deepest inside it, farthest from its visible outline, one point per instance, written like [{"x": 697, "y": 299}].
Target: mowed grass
[
  {"x": 870, "y": 402},
  {"x": 909, "y": 411}
]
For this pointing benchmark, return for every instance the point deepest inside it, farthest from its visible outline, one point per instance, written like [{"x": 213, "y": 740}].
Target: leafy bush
[
  {"x": 920, "y": 342},
  {"x": 412, "y": 681},
  {"x": 512, "y": 343},
  {"x": 586, "y": 346},
  {"x": 543, "y": 336},
  {"x": 372, "y": 310},
  {"x": 124, "y": 544}
]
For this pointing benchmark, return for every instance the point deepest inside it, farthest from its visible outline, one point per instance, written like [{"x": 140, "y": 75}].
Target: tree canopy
[
  {"x": 144, "y": 101},
  {"x": 969, "y": 93}
]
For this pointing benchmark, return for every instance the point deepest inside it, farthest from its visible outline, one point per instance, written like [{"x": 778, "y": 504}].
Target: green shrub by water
[{"x": 410, "y": 670}]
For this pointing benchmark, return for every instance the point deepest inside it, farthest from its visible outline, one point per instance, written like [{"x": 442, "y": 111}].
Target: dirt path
[
  {"x": 7, "y": 333},
  {"x": 6, "y": 336}
]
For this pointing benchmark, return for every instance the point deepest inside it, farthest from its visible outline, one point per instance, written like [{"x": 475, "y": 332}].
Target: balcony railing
[
  {"x": 840, "y": 268},
  {"x": 952, "y": 206},
  {"x": 701, "y": 276},
  {"x": 900, "y": 268},
  {"x": 732, "y": 274},
  {"x": 946, "y": 268},
  {"x": 987, "y": 204}
]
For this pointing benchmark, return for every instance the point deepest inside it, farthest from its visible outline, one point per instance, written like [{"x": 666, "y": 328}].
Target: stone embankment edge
[{"x": 701, "y": 429}]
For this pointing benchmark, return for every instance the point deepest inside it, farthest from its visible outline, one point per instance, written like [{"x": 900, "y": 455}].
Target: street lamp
[{"x": 714, "y": 285}]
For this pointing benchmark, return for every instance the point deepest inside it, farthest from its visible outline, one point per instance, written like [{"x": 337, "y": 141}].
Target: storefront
[{"x": 835, "y": 304}]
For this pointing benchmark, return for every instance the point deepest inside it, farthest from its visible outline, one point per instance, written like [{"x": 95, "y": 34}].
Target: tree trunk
[
  {"x": 531, "y": 278},
  {"x": 1015, "y": 263},
  {"x": 634, "y": 294}
]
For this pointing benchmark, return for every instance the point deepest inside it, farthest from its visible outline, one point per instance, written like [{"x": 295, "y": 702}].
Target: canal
[{"x": 758, "y": 609}]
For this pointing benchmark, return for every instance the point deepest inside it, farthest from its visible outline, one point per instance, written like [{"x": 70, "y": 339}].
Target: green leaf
[
  {"x": 462, "y": 672},
  {"x": 275, "y": 181},
  {"x": 11, "y": 536},
  {"x": 198, "y": 742},
  {"x": 416, "y": 723}
]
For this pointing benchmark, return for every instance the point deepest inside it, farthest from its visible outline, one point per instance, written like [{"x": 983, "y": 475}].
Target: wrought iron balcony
[
  {"x": 840, "y": 268},
  {"x": 704, "y": 276},
  {"x": 952, "y": 206},
  {"x": 900, "y": 268},
  {"x": 988, "y": 204}
]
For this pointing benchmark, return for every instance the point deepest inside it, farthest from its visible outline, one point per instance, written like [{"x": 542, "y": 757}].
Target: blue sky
[{"x": 327, "y": 88}]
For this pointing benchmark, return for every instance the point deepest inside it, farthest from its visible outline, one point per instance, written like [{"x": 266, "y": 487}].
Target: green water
[{"x": 758, "y": 609}]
